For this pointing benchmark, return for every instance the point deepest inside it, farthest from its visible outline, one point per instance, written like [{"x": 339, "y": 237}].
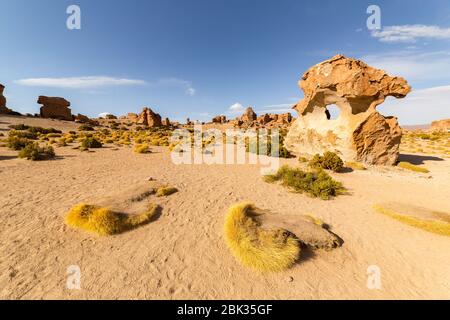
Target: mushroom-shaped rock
[{"x": 360, "y": 133}]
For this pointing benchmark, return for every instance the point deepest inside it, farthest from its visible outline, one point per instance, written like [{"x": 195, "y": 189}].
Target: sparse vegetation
[
  {"x": 412, "y": 167},
  {"x": 261, "y": 249},
  {"x": 329, "y": 161},
  {"x": 91, "y": 142},
  {"x": 315, "y": 183},
  {"x": 34, "y": 152},
  {"x": 104, "y": 221},
  {"x": 17, "y": 143},
  {"x": 86, "y": 127}
]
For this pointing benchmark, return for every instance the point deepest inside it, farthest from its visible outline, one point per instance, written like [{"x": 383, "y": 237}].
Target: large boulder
[
  {"x": 360, "y": 133},
  {"x": 55, "y": 108},
  {"x": 440, "y": 125},
  {"x": 149, "y": 118}
]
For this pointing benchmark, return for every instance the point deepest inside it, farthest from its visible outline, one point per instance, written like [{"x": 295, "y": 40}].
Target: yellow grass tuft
[
  {"x": 434, "y": 226},
  {"x": 142, "y": 148},
  {"x": 105, "y": 222},
  {"x": 261, "y": 249},
  {"x": 410, "y": 166},
  {"x": 165, "y": 191}
]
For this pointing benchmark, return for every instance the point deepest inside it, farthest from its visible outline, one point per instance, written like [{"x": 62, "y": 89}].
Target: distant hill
[{"x": 417, "y": 127}]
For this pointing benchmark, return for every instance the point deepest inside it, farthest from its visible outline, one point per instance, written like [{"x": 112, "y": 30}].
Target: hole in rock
[{"x": 332, "y": 111}]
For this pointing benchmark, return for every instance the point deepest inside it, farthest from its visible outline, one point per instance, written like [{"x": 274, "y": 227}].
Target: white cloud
[
  {"x": 104, "y": 114},
  {"x": 414, "y": 66},
  {"x": 420, "y": 106},
  {"x": 176, "y": 82},
  {"x": 276, "y": 108},
  {"x": 236, "y": 108},
  {"x": 79, "y": 82},
  {"x": 411, "y": 33}
]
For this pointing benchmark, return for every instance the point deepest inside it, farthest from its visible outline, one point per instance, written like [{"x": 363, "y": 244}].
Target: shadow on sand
[{"x": 417, "y": 159}]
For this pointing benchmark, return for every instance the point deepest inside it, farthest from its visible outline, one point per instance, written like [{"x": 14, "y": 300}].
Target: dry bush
[
  {"x": 34, "y": 152},
  {"x": 257, "y": 248},
  {"x": 91, "y": 142},
  {"x": 329, "y": 161}
]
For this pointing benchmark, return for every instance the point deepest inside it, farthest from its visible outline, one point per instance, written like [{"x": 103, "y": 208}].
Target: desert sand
[{"x": 182, "y": 255}]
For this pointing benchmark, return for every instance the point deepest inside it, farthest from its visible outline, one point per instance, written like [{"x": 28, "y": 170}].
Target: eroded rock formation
[
  {"x": 360, "y": 133},
  {"x": 149, "y": 118},
  {"x": 55, "y": 108}
]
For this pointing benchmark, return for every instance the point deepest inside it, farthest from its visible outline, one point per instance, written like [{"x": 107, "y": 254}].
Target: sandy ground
[{"x": 182, "y": 255}]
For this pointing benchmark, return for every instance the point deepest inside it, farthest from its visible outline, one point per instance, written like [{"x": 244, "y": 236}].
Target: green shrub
[
  {"x": 316, "y": 183},
  {"x": 329, "y": 161},
  {"x": 91, "y": 142},
  {"x": 34, "y": 152}
]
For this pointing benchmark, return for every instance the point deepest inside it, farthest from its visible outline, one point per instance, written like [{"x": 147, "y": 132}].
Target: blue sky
[{"x": 199, "y": 58}]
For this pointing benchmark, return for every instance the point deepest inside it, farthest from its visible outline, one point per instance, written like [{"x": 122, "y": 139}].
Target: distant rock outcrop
[
  {"x": 166, "y": 122},
  {"x": 55, "y": 108},
  {"x": 132, "y": 117},
  {"x": 149, "y": 118},
  {"x": 360, "y": 133},
  {"x": 219, "y": 119},
  {"x": 440, "y": 125},
  {"x": 249, "y": 116},
  {"x": 80, "y": 118}
]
